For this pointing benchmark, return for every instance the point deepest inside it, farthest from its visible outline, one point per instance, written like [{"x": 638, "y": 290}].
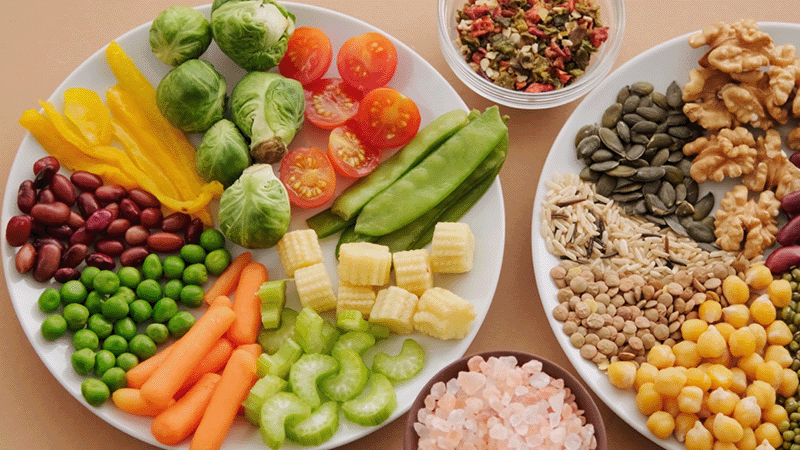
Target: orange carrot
[
  {"x": 221, "y": 300},
  {"x": 139, "y": 374},
  {"x": 247, "y": 305},
  {"x": 238, "y": 377},
  {"x": 186, "y": 354},
  {"x": 253, "y": 349},
  {"x": 131, "y": 401},
  {"x": 213, "y": 361},
  {"x": 226, "y": 282},
  {"x": 180, "y": 420}
]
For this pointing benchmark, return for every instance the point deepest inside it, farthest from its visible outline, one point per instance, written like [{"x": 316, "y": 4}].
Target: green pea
[
  {"x": 217, "y": 261},
  {"x": 114, "y": 308},
  {"x": 786, "y": 314},
  {"x": 787, "y": 276},
  {"x": 796, "y": 296},
  {"x": 192, "y": 295},
  {"x": 129, "y": 276},
  {"x": 87, "y": 276},
  {"x": 794, "y": 417},
  {"x": 115, "y": 378},
  {"x": 103, "y": 360},
  {"x": 94, "y": 391},
  {"x": 49, "y": 300},
  {"x": 788, "y": 435},
  {"x": 53, "y": 327},
  {"x": 783, "y": 426},
  {"x": 795, "y": 446},
  {"x": 172, "y": 289},
  {"x": 115, "y": 344},
  {"x": 142, "y": 346},
  {"x": 195, "y": 274},
  {"x": 140, "y": 310},
  {"x": 173, "y": 266},
  {"x": 164, "y": 309},
  {"x": 73, "y": 291},
  {"x": 106, "y": 282},
  {"x": 83, "y": 361},
  {"x": 101, "y": 326},
  {"x": 796, "y": 320},
  {"x": 93, "y": 301},
  {"x": 180, "y": 323},
  {"x": 212, "y": 239},
  {"x": 149, "y": 290},
  {"x": 152, "y": 268},
  {"x": 76, "y": 316},
  {"x": 127, "y": 361},
  {"x": 193, "y": 253},
  {"x": 126, "y": 293},
  {"x": 126, "y": 328},
  {"x": 85, "y": 338},
  {"x": 158, "y": 332}
]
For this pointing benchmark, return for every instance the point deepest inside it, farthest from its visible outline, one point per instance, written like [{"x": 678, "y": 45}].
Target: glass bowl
[{"x": 612, "y": 15}]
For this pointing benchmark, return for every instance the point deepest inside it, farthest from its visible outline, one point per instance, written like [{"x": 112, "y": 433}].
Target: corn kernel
[
  {"x": 769, "y": 432},
  {"x": 727, "y": 429},
  {"x": 661, "y": 356},
  {"x": 739, "y": 385},
  {"x": 749, "y": 364},
  {"x": 742, "y": 342},
  {"x": 748, "y": 441},
  {"x": 724, "y": 359},
  {"x": 690, "y": 399},
  {"x": 778, "y": 354},
  {"x": 762, "y": 310},
  {"x": 722, "y": 401},
  {"x": 710, "y": 311},
  {"x": 648, "y": 400},
  {"x": 735, "y": 290},
  {"x": 780, "y": 292},
  {"x": 671, "y": 406},
  {"x": 758, "y": 276},
  {"x": 683, "y": 423},
  {"x": 661, "y": 424},
  {"x": 778, "y": 333},
  {"x": 669, "y": 381},
  {"x": 789, "y": 383},
  {"x": 711, "y": 343},
  {"x": 697, "y": 377},
  {"x": 736, "y": 315},
  {"x": 721, "y": 376},
  {"x": 645, "y": 373},
  {"x": 691, "y": 329},
  {"x": 699, "y": 438},
  {"x": 725, "y": 329},
  {"x": 622, "y": 374},
  {"x": 770, "y": 372},
  {"x": 760, "y": 333},
  {"x": 775, "y": 414},
  {"x": 686, "y": 354},
  {"x": 763, "y": 392},
  {"x": 719, "y": 445},
  {"x": 747, "y": 412}
]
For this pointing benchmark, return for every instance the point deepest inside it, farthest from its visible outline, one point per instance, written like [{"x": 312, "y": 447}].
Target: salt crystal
[
  {"x": 470, "y": 425},
  {"x": 471, "y": 382},
  {"x": 521, "y": 390},
  {"x": 452, "y": 386},
  {"x": 508, "y": 361},
  {"x": 516, "y": 420},
  {"x": 558, "y": 435},
  {"x": 498, "y": 432},
  {"x": 555, "y": 419},
  {"x": 539, "y": 380},
  {"x": 430, "y": 402},
  {"x": 438, "y": 389},
  {"x": 532, "y": 366},
  {"x": 534, "y": 441},
  {"x": 474, "y": 403},
  {"x": 456, "y": 417},
  {"x": 422, "y": 430},
  {"x": 516, "y": 442},
  {"x": 572, "y": 442},
  {"x": 557, "y": 401},
  {"x": 474, "y": 363}
]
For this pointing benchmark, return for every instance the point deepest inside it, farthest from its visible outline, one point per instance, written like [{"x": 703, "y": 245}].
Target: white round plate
[
  {"x": 660, "y": 65},
  {"x": 415, "y": 78}
]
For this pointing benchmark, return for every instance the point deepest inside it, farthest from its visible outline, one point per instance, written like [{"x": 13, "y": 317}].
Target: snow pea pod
[
  {"x": 434, "y": 178},
  {"x": 350, "y": 202},
  {"x": 326, "y": 223}
]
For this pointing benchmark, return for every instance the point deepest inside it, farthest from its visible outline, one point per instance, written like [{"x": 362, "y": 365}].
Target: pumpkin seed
[
  {"x": 611, "y": 140},
  {"x": 623, "y": 131},
  {"x": 684, "y": 208},
  {"x": 604, "y": 166},
  {"x": 588, "y": 145},
  {"x": 655, "y": 205},
  {"x": 676, "y": 226},
  {"x": 651, "y": 187},
  {"x": 635, "y": 151},
  {"x": 660, "y": 100},
  {"x": 675, "y": 156},
  {"x": 699, "y": 232},
  {"x": 627, "y": 196},
  {"x": 660, "y": 140},
  {"x": 686, "y": 167},
  {"x": 602, "y": 155},
  {"x": 692, "y": 190},
  {"x": 708, "y": 246},
  {"x": 673, "y": 174},
  {"x": 646, "y": 100},
  {"x": 627, "y": 187},
  {"x": 623, "y": 94},
  {"x": 644, "y": 127},
  {"x": 680, "y": 192},
  {"x": 637, "y": 138},
  {"x": 674, "y": 95},
  {"x": 660, "y": 158},
  {"x": 641, "y": 88},
  {"x": 611, "y": 116},
  {"x": 631, "y": 103},
  {"x": 680, "y": 132},
  {"x": 622, "y": 171},
  {"x": 666, "y": 193},
  {"x": 675, "y": 118},
  {"x": 588, "y": 174},
  {"x": 585, "y": 131},
  {"x": 632, "y": 118},
  {"x": 647, "y": 174},
  {"x": 653, "y": 113},
  {"x": 662, "y": 128},
  {"x": 656, "y": 220},
  {"x": 702, "y": 208},
  {"x": 637, "y": 163},
  {"x": 605, "y": 185},
  {"x": 640, "y": 208}
]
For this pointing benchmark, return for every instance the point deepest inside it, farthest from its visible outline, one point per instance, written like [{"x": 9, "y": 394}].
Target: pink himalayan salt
[{"x": 500, "y": 405}]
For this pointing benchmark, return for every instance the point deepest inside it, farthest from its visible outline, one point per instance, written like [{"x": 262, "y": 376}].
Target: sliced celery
[
  {"x": 271, "y": 340},
  {"x": 307, "y": 372},
  {"x": 351, "y": 379},
  {"x": 317, "y": 428},
  {"x": 277, "y": 411},
  {"x": 314, "y": 333},
  {"x": 273, "y": 299},
  {"x": 375, "y": 404},
  {"x": 280, "y": 362},
  {"x": 359, "y": 341},
  {"x": 405, "y": 366},
  {"x": 351, "y": 320},
  {"x": 264, "y": 388}
]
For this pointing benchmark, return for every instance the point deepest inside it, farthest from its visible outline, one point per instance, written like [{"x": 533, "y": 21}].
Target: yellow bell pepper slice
[{"x": 87, "y": 112}]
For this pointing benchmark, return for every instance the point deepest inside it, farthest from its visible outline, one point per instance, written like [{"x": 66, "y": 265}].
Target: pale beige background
[{"x": 41, "y": 42}]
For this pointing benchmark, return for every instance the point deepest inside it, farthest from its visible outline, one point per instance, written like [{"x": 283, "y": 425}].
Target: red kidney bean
[
  {"x": 109, "y": 193},
  {"x": 64, "y": 274},
  {"x": 45, "y": 195},
  {"x": 164, "y": 242},
  {"x": 82, "y": 236},
  {"x": 101, "y": 261},
  {"x": 114, "y": 208},
  {"x": 193, "y": 231},
  {"x": 55, "y": 213},
  {"x": 44, "y": 177},
  {"x": 26, "y": 196},
  {"x": 25, "y": 258},
  {"x": 129, "y": 210},
  {"x": 175, "y": 222},
  {"x": 44, "y": 162},
  {"x": 151, "y": 218},
  {"x": 110, "y": 247},
  {"x": 795, "y": 159},
  {"x": 99, "y": 220},
  {"x": 783, "y": 258},
  {"x": 144, "y": 199},
  {"x": 42, "y": 241},
  {"x": 38, "y": 230},
  {"x": 18, "y": 230},
  {"x": 133, "y": 256},
  {"x": 62, "y": 232},
  {"x": 47, "y": 260},
  {"x": 790, "y": 203},
  {"x": 789, "y": 233},
  {"x": 62, "y": 189},
  {"x": 74, "y": 255},
  {"x": 118, "y": 227},
  {"x": 136, "y": 235},
  {"x": 86, "y": 181},
  {"x": 75, "y": 220},
  {"x": 87, "y": 204}
]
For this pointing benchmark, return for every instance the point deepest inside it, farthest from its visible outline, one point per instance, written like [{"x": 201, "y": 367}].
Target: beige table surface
[{"x": 41, "y": 42}]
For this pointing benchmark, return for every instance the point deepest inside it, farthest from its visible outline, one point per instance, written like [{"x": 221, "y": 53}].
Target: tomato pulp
[
  {"x": 387, "y": 118},
  {"x": 308, "y": 177},
  {"x": 330, "y": 102},
  {"x": 308, "y": 55},
  {"x": 367, "y": 61},
  {"x": 349, "y": 154}
]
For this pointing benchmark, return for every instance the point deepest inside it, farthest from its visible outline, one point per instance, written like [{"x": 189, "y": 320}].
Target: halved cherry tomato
[
  {"x": 308, "y": 55},
  {"x": 350, "y": 156},
  {"x": 387, "y": 118},
  {"x": 308, "y": 176},
  {"x": 367, "y": 61},
  {"x": 330, "y": 102}
]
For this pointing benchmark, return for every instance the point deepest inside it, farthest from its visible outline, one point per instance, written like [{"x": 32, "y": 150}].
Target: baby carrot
[
  {"x": 237, "y": 378},
  {"x": 213, "y": 361},
  {"x": 131, "y": 401},
  {"x": 227, "y": 281},
  {"x": 253, "y": 349},
  {"x": 186, "y": 354},
  {"x": 247, "y": 305},
  {"x": 139, "y": 374},
  {"x": 180, "y": 420}
]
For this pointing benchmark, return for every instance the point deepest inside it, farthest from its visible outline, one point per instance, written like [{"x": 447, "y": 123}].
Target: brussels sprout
[
  {"x": 268, "y": 108},
  {"x": 192, "y": 96},
  {"x": 222, "y": 154},
  {"x": 254, "y": 33},
  {"x": 179, "y": 34},
  {"x": 254, "y": 211}
]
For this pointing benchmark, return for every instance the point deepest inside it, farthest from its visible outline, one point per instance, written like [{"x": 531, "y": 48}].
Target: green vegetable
[
  {"x": 317, "y": 428},
  {"x": 85, "y": 338},
  {"x": 272, "y": 340},
  {"x": 116, "y": 344},
  {"x": 53, "y": 327},
  {"x": 73, "y": 291},
  {"x": 173, "y": 288},
  {"x": 375, "y": 404},
  {"x": 149, "y": 290},
  {"x": 351, "y": 379},
  {"x": 313, "y": 332},
  {"x": 115, "y": 378},
  {"x": 404, "y": 366},
  {"x": 104, "y": 360},
  {"x": 164, "y": 309},
  {"x": 192, "y": 96},
  {"x": 212, "y": 239},
  {"x": 126, "y": 328},
  {"x": 351, "y": 320},
  {"x": 140, "y": 310},
  {"x": 358, "y": 341},
  {"x": 280, "y": 362},
  {"x": 173, "y": 267},
  {"x": 350, "y": 202},
  {"x": 254, "y": 212},
  {"x": 195, "y": 274},
  {"x": 49, "y": 300},
  {"x": 307, "y": 371},
  {"x": 152, "y": 268},
  {"x": 192, "y": 295},
  {"x": 279, "y": 409},
  {"x": 127, "y": 361},
  {"x": 254, "y": 34},
  {"x": 94, "y": 391},
  {"x": 129, "y": 276},
  {"x": 217, "y": 261},
  {"x": 142, "y": 346},
  {"x": 83, "y": 361},
  {"x": 105, "y": 282},
  {"x": 223, "y": 153},
  {"x": 268, "y": 108},
  {"x": 76, "y": 316},
  {"x": 434, "y": 178},
  {"x": 193, "y": 253},
  {"x": 180, "y": 323},
  {"x": 326, "y": 223},
  {"x": 158, "y": 332},
  {"x": 264, "y": 388},
  {"x": 88, "y": 274},
  {"x": 179, "y": 33},
  {"x": 93, "y": 301},
  {"x": 273, "y": 298},
  {"x": 101, "y": 326}
]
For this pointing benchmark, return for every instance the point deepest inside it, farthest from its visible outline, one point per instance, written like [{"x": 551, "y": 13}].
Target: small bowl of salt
[{"x": 504, "y": 399}]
